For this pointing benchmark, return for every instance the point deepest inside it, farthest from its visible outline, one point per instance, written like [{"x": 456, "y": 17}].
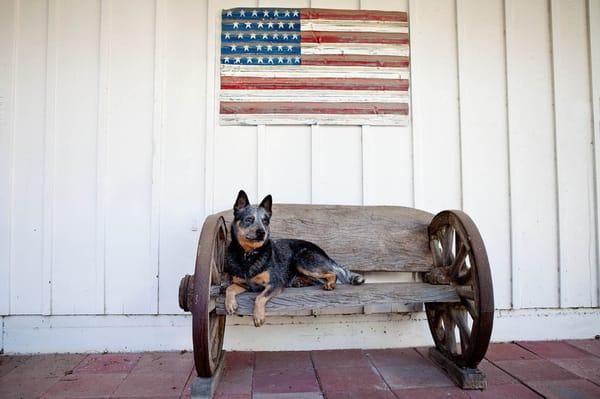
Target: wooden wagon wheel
[
  {"x": 208, "y": 328},
  {"x": 461, "y": 330}
]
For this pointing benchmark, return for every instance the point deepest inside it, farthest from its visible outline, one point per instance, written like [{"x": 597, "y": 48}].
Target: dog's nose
[{"x": 260, "y": 233}]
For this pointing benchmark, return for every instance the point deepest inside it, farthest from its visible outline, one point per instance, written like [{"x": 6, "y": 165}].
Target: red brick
[
  {"x": 220, "y": 395},
  {"x": 554, "y": 350},
  {"x": 283, "y": 360},
  {"x": 535, "y": 370},
  {"x": 589, "y": 345},
  {"x": 239, "y": 360},
  {"x": 166, "y": 362},
  {"x": 86, "y": 386},
  {"x": 508, "y": 351},
  {"x": 20, "y": 386},
  {"x": 110, "y": 363},
  {"x": 236, "y": 381},
  {"x": 396, "y": 357},
  {"x": 48, "y": 366},
  {"x": 585, "y": 367},
  {"x": 504, "y": 392},
  {"x": 414, "y": 377},
  {"x": 570, "y": 389},
  {"x": 148, "y": 384},
  {"x": 362, "y": 394},
  {"x": 9, "y": 363},
  {"x": 285, "y": 380},
  {"x": 495, "y": 375},
  {"x": 431, "y": 393},
  {"x": 340, "y": 358},
  {"x": 348, "y": 379}
]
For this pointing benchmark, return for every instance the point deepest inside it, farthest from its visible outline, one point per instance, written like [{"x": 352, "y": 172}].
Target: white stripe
[
  {"x": 315, "y": 96},
  {"x": 310, "y": 119},
  {"x": 354, "y": 49},
  {"x": 353, "y": 26},
  {"x": 314, "y": 71}
]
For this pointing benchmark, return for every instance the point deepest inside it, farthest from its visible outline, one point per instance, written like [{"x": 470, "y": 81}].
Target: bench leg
[
  {"x": 204, "y": 388},
  {"x": 464, "y": 377}
]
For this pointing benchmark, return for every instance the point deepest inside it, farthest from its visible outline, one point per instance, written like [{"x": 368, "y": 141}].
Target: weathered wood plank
[
  {"x": 285, "y": 119},
  {"x": 464, "y": 377},
  {"x": 370, "y": 238},
  {"x": 345, "y": 299}
]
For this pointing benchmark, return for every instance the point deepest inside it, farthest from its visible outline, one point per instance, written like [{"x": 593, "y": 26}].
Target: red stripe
[
  {"x": 389, "y": 61},
  {"x": 354, "y": 37},
  {"x": 253, "y": 83},
  {"x": 313, "y": 108},
  {"x": 355, "y": 15}
]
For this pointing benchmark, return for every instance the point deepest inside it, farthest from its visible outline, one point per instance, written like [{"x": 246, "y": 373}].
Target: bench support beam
[
  {"x": 204, "y": 388},
  {"x": 464, "y": 377}
]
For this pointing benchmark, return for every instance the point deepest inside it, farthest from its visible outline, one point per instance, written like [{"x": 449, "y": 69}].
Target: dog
[{"x": 257, "y": 263}]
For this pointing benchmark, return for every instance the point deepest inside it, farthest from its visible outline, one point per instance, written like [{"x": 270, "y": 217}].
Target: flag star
[
  {"x": 294, "y": 37},
  {"x": 248, "y": 25},
  {"x": 240, "y": 36},
  {"x": 253, "y": 36},
  {"x": 297, "y": 60},
  {"x": 280, "y": 60},
  {"x": 237, "y": 60},
  {"x": 285, "y": 36},
  {"x": 281, "y": 25},
  {"x": 295, "y": 13},
  {"x": 291, "y": 25},
  {"x": 236, "y": 25},
  {"x": 249, "y": 60},
  {"x": 290, "y": 48},
  {"x": 275, "y": 36},
  {"x": 270, "y": 60},
  {"x": 233, "y": 48},
  {"x": 254, "y": 13},
  {"x": 246, "y": 48},
  {"x": 226, "y": 59},
  {"x": 270, "y": 25},
  {"x": 227, "y": 36},
  {"x": 287, "y": 13},
  {"x": 266, "y": 13},
  {"x": 259, "y": 48},
  {"x": 230, "y": 13},
  {"x": 265, "y": 36},
  {"x": 276, "y": 13},
  {"x": 242, "y": 13},
  {"x": 260, "y": 25},
  {"x": 269, "y": 48},
  {"x": 260, "y": 60},
  {"x": 289, "y": 60},
  {"x": 279, "y": 48}
]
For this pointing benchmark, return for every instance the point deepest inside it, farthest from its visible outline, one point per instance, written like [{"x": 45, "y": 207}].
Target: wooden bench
[{"x": 445, "y": 252}]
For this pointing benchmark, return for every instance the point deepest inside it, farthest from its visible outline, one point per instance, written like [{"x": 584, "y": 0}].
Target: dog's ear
[
  {"x": 241, "y": 202},
  {"x": 267, "y": 203}
]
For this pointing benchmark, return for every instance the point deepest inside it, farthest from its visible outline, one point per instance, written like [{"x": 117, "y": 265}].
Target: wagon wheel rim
[
  {"x": 208, "y": 326},
  {"x": 461, "y": 330}
]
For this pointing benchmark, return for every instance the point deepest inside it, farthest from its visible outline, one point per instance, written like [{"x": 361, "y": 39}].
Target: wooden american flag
[{"x": 314, "y": 66}]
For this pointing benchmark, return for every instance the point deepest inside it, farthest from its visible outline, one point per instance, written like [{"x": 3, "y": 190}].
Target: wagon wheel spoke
[
  {"x": 465, "y": 291},
  {"x": 471, "y": 308},
  {"x": 446, "y": 242},
  {"x": 460, "y": 319},
  {"x": 459, "y": 260},
  {"x": 449, "y": 335}
]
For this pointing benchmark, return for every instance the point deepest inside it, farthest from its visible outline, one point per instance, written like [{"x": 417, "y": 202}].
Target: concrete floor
[{"x": 557, "y": 369}]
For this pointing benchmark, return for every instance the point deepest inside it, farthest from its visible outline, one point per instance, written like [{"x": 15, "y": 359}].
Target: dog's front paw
[
  {"x": 259, "y": 319},
  {"x": 231, "y": 306}
]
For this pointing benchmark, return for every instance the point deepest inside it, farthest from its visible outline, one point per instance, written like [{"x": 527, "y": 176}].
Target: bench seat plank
[{"x": 345, "y": 299}]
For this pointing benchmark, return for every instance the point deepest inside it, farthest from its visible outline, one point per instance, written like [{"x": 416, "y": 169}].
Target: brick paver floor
[{"x": 550, "y": 369}]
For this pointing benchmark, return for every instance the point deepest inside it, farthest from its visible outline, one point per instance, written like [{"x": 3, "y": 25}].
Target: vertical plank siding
[{"x": 111, "y": 154}]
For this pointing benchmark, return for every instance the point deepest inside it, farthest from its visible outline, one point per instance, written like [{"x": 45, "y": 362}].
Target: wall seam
[{"x": 458, "y": 109}]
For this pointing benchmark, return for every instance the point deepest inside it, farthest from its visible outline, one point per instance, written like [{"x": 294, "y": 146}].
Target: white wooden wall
[{"x": 111, "y": 154}]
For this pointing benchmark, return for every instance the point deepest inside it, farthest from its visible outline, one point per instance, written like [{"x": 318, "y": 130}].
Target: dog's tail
[{"x": 345, "y": 276}]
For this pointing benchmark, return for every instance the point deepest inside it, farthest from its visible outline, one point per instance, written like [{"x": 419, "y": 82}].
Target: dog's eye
[
  {"x": 266, "y": 221},
  {"x": 249, "y": 220}
]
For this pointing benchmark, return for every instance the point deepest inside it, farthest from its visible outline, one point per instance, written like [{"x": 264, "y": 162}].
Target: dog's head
[{"x": 250, "y": 225}]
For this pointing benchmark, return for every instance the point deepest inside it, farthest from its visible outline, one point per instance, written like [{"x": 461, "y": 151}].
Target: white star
[
  {"x": 249, "y": 60},
  {"x": 289, "y": 60},
  {"x": 297, "y": 60},
  {"x": 240, "y": 36},
  {"x": 270, "y": 60},
  {"x": 226, "y": 59},
  {"x": 265, "y": 36},
  {"x": 233, "y": 48},
  {"x": 295, "y": 13},
  {"x": 287, "y": 13},
  {"x": 227, "y": 36},
  {"x": 281, "y": 24},
  {"x": 253, "y": 36},
  {"x": 270, "y": 25},
  {"x": 236, "y": 25},
  {"x": 285, "y": 36},
  {"x": 258, "y": 48},
  {"x": 275, "y": 36},
  {"x": 291, "y": 25},
  {"x": 276, "y": 13},
  {"x": 266, "y": 13},
  {"x": 294, "y": 37},
  {"x": 230, "y": 13},
  {"x": 237, "y": 60},
  {"x": 248, "y": 25},
  {"x": 279, "y": 48},
  {"x": 260, "y": 25},
  {"x": 260, "y": 60},
  {"x": 242, "y": 13},
  {"x": 254, "y": 13},
  {"x": 269, "y": 48},
  {"x": 246, "y": 48},
  {"x": 280, "y": 60},
  {"x": 290, "y": 48}
]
